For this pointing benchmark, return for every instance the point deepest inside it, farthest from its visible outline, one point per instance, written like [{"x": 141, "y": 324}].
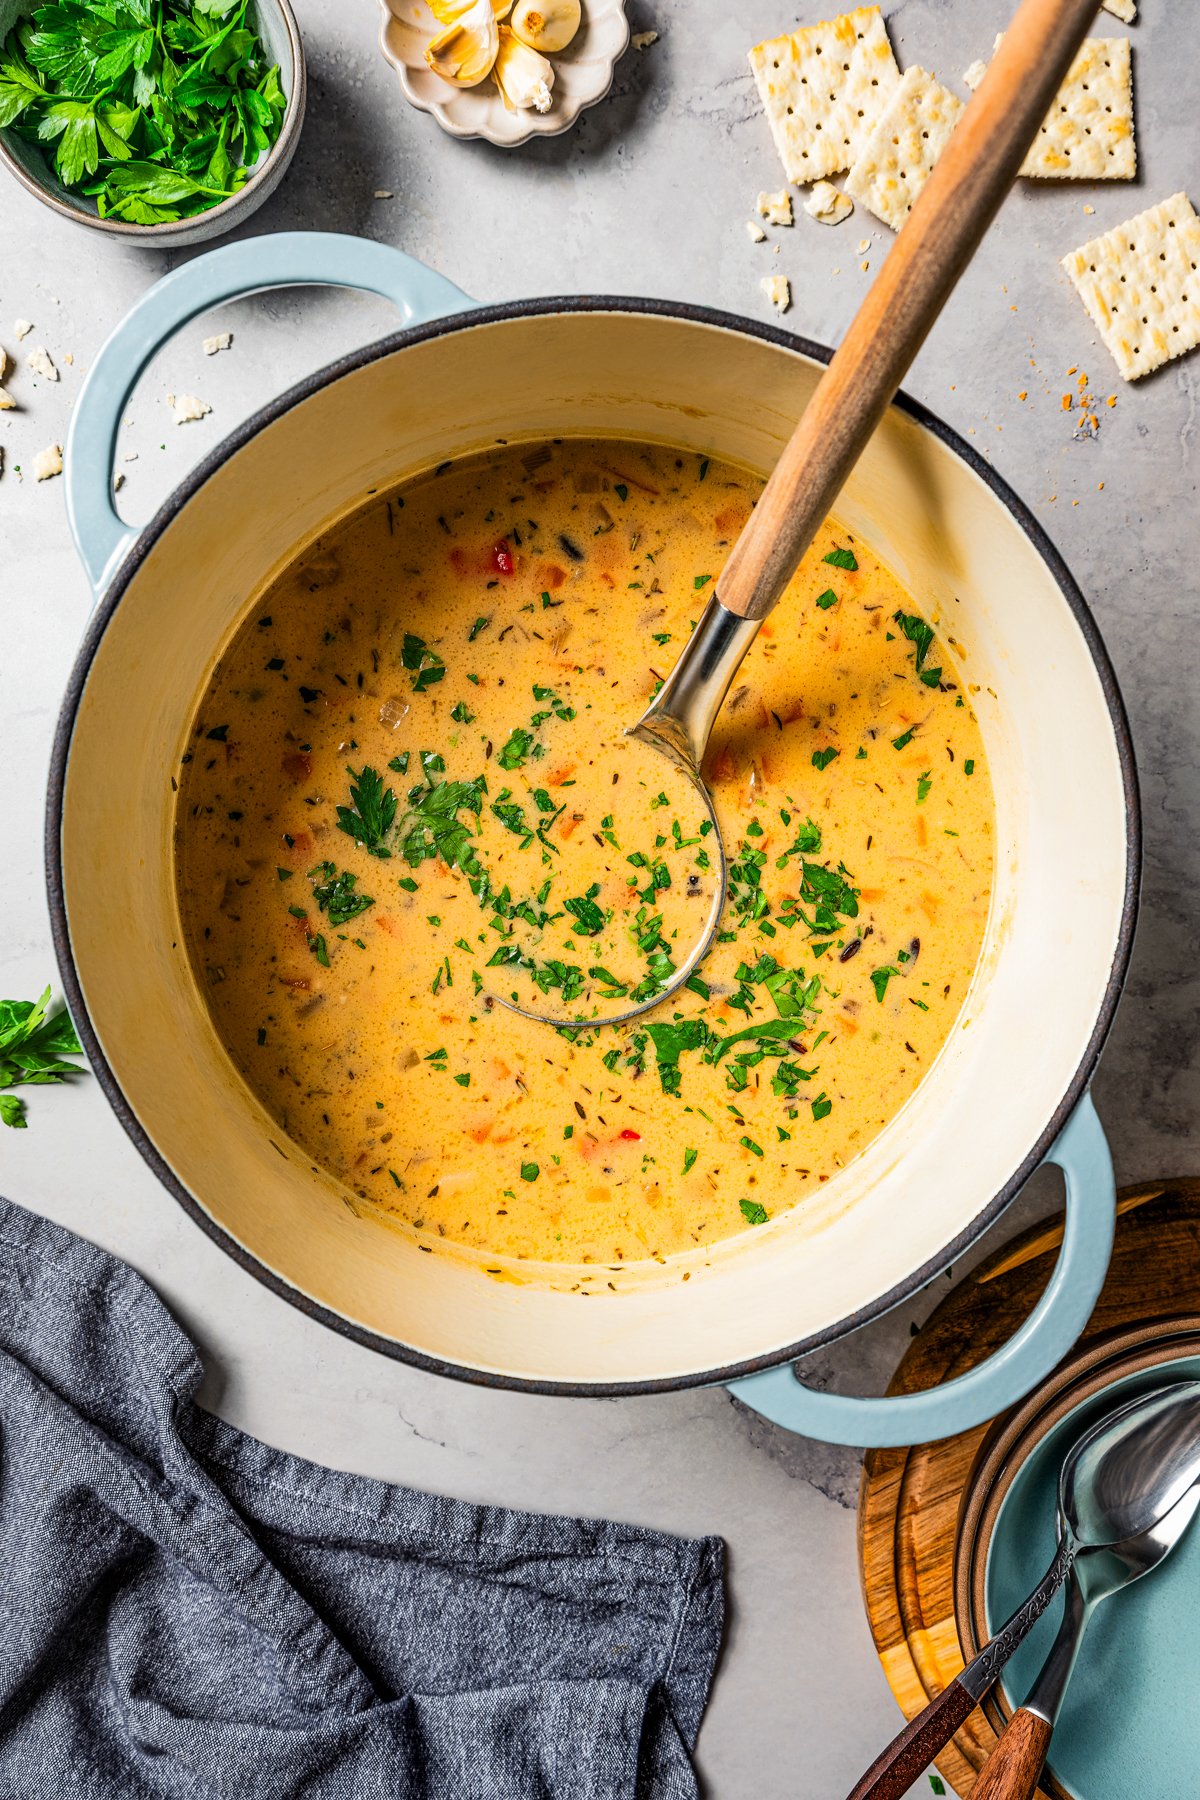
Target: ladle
[{"x": 938, "y": 240}]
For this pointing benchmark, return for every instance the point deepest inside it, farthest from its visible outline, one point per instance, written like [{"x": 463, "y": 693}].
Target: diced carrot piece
[
  {"x": 556, "y": 777},
  {"x": 922, "y": 829},
  {"x": 297, "y": 766},
  {"x": 847, "y": 1024},
  {"x": 550, "y": 575}
]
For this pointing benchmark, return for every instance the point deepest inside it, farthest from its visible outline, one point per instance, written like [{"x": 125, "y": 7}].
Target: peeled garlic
[
  {"x": 523, "y": 77},
  {"x": 547, "y": 25},
  {"x": 465, "y": 53},
  {"x": 449, "y": 12}
]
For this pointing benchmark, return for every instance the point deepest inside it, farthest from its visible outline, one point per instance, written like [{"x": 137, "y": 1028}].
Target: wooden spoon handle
[
  {"x": 939, "y": 238},
  {"x": 910, "y": 1752},
  {"x": 1011, "y": 1772}
]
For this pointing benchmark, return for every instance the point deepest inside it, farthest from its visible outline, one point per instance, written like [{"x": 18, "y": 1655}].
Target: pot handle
[
  {"x": 1082, "y": 1153},
  {"x": 284, "y": 259}
]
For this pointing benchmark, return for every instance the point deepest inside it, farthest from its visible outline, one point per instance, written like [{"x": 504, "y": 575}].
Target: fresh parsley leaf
[
  {"x": 371, "y": 813},
  {"x": 34, "y": 1049},
  {"x": 899, "y": 743},
  {"x": 513, "y": 754},
  {"x": 924, "y": 783},
  {"x": 880, "y": 979},
  {"x": 335, "y": 894},
  {"x": 754, "y": 1212},
  {"x": 821, "y": 759},
  {"x": 589, "y": 918},
  {"x": 827, "y": 599},
  {"x": 918, "y": 633},
  {"x": 841, "y": 559}
]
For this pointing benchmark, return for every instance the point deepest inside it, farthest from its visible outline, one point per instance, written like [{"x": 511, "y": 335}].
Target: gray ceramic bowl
[{"x": 276, "y": 24}]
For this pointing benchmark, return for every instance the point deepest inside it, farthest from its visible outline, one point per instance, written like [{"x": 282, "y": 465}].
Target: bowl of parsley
[{"x": 163, "y": 122}]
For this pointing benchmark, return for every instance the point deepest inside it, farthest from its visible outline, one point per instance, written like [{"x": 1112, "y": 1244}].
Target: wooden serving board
[{"x": 909, "y": 1499}]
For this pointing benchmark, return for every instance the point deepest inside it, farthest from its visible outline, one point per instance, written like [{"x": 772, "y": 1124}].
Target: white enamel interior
[{"x": 1061, "y": 863}]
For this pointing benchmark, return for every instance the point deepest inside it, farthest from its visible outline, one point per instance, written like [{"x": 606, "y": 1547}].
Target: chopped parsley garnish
[
  {"x": 700, "y": 581},
  {"x": 898, "y": 743},
  {"x": 589, "y": 919},
  {"x": 462, "y": 714},
  {"x": 335, "y": 894},
  {"x": 969, "y": 766},
  {"x": 371, "y": 812},
  {"x": 476, "y": 628},
  {"x": 754, "y": 1212},
  {"x": 880, "y": 979},
  {"x": 689, "y": 1160},
  {"x": 841, "y": 559},
  {"x": 920, "y": 635},
  {"x": 924, "y": 783},
  {"x": 827, "y": 599},
  {"x": 821, "y": 1108},
  {"x": 529, "y": 1171},
  {"x": 821, "y": 759},
  {"x": 425, "y": 665},
  {"x": 316, "y": 944},
  {"x": 515, "y": 751}
]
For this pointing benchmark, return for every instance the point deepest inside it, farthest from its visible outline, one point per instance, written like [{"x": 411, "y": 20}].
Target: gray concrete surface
[{"x": 648, "y": 195}]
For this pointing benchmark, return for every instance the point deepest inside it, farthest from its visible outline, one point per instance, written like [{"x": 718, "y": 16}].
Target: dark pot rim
[{"x": 267, "y": 415}]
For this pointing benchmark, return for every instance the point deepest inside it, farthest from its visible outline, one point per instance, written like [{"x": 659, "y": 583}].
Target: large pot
[{"x": 1010, "y": 1088}]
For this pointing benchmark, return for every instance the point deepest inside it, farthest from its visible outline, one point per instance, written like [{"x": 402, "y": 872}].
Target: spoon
[
  {"x": 938, "y": 240},
  {"x": 1012, "y": 1770},
  {"x": 1126, "y": 1474}
]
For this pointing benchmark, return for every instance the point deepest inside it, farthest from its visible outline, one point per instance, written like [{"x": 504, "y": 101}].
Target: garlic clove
[
  {"x": 522, "y": 75},
  {"x": 449, "y": 12},
  {"x": 465, "y": 52},
  {"x": 547, "y": 25}
]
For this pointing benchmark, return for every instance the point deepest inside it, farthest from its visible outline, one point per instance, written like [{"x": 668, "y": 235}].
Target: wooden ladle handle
[
  {"x": 939, "y": 238},
  {"x": 1012, "y": 1771}
]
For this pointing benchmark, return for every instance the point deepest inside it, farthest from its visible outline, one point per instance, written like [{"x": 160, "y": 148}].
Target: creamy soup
[{"x": 407, "y": 801}]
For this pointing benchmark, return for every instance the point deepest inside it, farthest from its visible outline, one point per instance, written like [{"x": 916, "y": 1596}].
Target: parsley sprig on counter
[
  {"x": 156, "y": 109},
  {"x": 33, "y": 1052}
]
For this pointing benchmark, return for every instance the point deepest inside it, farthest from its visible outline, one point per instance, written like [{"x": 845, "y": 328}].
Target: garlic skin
[
  {"x": 547, "y": 25},
  {"x": 523, "y": 76},
  {"x": 449, "y": 12},
  {"x": 465, "y": 53}
]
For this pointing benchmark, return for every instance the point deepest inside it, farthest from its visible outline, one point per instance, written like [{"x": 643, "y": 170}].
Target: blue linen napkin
[{"x": 187, "y": 1612}]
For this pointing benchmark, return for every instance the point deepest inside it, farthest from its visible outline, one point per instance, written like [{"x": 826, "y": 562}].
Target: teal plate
[{"x": 1129, "y": 1724}]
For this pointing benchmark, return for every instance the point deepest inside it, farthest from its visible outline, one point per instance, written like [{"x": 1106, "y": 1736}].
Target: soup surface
[{"x": 407, "y": 798}]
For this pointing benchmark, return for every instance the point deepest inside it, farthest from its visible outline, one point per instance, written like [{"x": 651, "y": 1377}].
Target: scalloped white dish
[{"x": 583, "y": 74}]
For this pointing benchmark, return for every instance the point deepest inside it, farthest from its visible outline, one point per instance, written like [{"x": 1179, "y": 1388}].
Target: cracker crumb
[
  {"x": 642, "y": 40},
  {"x": 188, "y": 407},
  {"x": 7, "y": 403},
  {"x": 1024, "y": 394},
  {"x": 827, "y": 204},
  {"x": 48, "y": 463},
  {"x": 40, "y": 362},
  {"x": 22, "y": 328},
  {"x": 1089, "y": 210},
  {"x": 776, "y": 209},
  {"x": 221, "y": 340},
  {"x": 384, "y": 194},
  {"x": 755, "y": 231},
  {"x": 130, "y": 456},
  {"x": 778, "y": 290},
  {"x": 864, "y": 266},
  {"x": 1121, "y": 9},
  {"x": 975, "y": 74}
]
